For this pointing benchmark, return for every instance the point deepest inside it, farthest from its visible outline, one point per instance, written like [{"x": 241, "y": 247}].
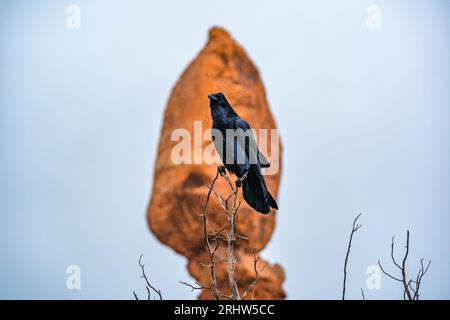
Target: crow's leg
[
  {"x": 241, "y": 179},
  {"x": 221, "y": 170}
]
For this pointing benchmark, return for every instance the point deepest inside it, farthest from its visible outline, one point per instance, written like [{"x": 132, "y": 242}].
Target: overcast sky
[{"x": 363, "y": 115}]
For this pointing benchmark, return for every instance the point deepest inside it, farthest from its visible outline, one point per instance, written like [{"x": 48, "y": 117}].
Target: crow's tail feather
[
  {"x": 272, "y": 201},
  {"x": 256, "y": 193}
]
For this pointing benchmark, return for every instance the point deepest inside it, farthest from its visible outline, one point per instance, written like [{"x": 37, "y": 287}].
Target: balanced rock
[{"x": 179, "y": 189}]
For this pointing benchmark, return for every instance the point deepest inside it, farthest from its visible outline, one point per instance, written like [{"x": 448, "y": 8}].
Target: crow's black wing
[{"x": 246, "y": 147}]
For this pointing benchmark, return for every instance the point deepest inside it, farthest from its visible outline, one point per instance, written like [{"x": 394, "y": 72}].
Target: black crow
[{"x": 237, "y": 148}]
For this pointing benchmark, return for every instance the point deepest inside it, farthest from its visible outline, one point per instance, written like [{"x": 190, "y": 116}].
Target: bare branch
[
  {"x": 392, "y": 254},
  {"x": 148, "y": 285},
  {"x": 231, "y": 238},
  {"x": 355, "y": 228},
  {"x": 252, "y": 285},
  {"x": 210, "y": 236},
  {"x": 197, "y": 287},
  {"x": 411, "y": 288},
  {"x": 211, "y": 251},
  {"x": 388, "y": 274},
  {"x": 405, "y": 282}
]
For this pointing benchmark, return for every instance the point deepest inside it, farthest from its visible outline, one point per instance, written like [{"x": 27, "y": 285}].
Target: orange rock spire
[{"x": 223, "y": 66}]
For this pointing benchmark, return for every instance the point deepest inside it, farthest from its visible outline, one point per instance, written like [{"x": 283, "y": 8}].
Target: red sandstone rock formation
[{"x": 223, "y": 66}]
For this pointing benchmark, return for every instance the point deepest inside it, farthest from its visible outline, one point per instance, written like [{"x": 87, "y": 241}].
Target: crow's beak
[{"x": 212, "y": 97}]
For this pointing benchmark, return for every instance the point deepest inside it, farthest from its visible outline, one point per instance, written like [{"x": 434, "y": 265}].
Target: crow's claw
[
  {"x": 221, "y": 170},
  {"x": 241, "y": 179}
]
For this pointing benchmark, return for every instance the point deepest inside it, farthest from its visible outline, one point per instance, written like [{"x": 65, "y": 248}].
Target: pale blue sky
[{"x": 364, "y": 119}]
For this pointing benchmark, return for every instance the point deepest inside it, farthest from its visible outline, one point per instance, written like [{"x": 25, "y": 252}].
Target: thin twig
[
  {"x": 148, "y": 285},
  {"x": 255, "y": 269},
  {"x": 211, "y": 251},
  {"x": 355, "y": 228},
  {"x": 198, "y": 287},
  {"x": 388, "y": 274}
]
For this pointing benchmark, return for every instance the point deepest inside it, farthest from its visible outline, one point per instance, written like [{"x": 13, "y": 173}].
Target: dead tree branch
[
  {"x": 213, "y": 239},
  {"x": 211, "y": 250},
  {"x": 355, "y": 228},
  {"x": 252, "y": 285},
  {"x": 231, "y": 238},
  {"x": 411, "y": 287},
  {"x": 148, "y": 286}
]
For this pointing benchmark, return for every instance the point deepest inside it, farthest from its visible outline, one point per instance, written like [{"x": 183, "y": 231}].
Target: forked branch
[
  {"x": 411, "y": 286},
  {"x": 213, "y": 239},
  {"x": 148, "y": 286}
]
